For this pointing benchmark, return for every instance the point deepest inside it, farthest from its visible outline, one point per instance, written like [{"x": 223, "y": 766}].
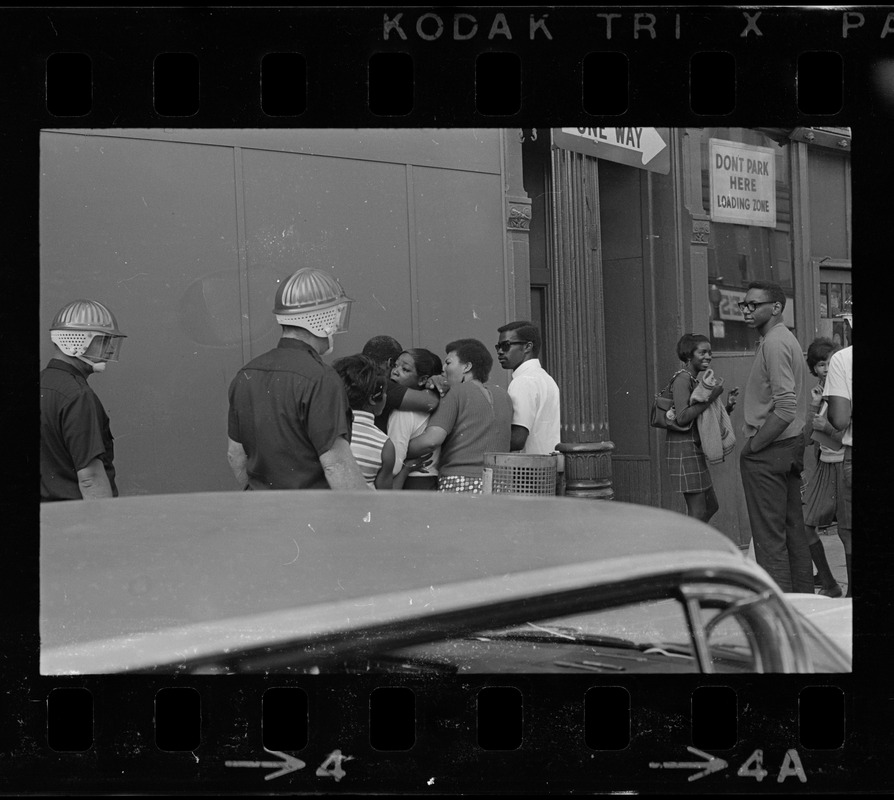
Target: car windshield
[{"x": 637, "y": 637}]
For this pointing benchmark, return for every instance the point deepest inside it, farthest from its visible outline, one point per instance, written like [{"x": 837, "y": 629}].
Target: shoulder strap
[{"x": 670, "y": 382}]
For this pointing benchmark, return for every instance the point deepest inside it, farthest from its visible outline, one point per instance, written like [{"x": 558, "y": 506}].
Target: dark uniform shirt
[
  {"x": 394, "y": 396},
  {"x": 286, "y": 408},
  {"x": 74, "y": 430}
]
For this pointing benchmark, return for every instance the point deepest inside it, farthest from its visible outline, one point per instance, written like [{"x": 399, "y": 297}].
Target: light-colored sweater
[
  {"x": 714, "y": 427},
  {"x": 777, "y": 384}
]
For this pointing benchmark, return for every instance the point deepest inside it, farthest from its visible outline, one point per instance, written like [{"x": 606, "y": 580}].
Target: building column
[
  {"x": 517, "y": 215},
  {"x": 577, "y": 324}
]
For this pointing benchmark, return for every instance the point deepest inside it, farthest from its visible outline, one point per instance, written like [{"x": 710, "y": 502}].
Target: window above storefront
[{"x": 747, "y": 192}]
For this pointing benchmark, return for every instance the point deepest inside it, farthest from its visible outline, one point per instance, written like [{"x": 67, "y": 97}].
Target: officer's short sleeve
[
  {"x": 233, "y": 413},
  {"x": 82, "y": 429},
  {"x": 328, "y": 413}
]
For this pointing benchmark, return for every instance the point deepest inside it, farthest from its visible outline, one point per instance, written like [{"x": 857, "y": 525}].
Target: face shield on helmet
[
  {"x": 87, "y": 344},
  {"x": 325, "y": 322},
  {"x": 313, "y": 300},
  {"x": 87, "y": 330}
]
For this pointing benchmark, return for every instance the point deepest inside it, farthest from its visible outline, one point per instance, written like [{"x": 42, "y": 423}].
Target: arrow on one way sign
[
  {"x": 711, "y": 764},
  {"x": 287, "y": 765}
]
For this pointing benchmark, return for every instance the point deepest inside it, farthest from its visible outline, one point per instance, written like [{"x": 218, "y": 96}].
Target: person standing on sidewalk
[
  {"x": 772, "y": 457},
  {"x": 289, "y": 423},
  {"x": 536, "y": 426},
  {"x": 838, "y": 391},
  {"x": 77, "y": 451},
  {"x": 824, "y": 498}
]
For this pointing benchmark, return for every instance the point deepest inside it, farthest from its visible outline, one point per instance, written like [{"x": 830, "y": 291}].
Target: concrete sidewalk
[{"x": 834, "y": 555}]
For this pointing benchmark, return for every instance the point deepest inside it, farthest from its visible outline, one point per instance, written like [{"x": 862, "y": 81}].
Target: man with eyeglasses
[
  {"x": 772, "y": 457},
  {"x": 536, "y": 424}
]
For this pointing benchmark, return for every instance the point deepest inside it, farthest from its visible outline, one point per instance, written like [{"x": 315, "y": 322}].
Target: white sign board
[
  {"x": 743, "y": 183},
  {"x": 643, "y": 148}
]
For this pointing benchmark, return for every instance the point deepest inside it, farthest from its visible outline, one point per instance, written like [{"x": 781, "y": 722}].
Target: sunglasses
[{"x": 503, "y": 347}]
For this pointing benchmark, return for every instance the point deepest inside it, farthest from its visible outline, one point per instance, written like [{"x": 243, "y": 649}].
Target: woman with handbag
[{"x": 686, "y": 461}]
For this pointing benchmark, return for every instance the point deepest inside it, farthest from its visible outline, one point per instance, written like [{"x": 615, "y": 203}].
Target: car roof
[{"x": 187, "y": 574}]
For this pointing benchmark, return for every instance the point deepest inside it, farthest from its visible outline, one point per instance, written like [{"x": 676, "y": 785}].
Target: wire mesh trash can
[{"x": 517, "y": 473}]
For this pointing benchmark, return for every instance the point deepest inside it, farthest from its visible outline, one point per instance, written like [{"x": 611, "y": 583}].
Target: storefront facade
[
  {"x": 614, "y": 241},
  {"x": 632, "y": 253}
]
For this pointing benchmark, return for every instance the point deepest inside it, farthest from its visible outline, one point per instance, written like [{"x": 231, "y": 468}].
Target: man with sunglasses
[
  {"x": 536, "y": 424},
  {"x": 772, "y": 457},
  {"x": 76, "y": 449}
]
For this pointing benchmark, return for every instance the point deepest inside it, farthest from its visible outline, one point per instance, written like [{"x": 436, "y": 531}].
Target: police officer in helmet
[
  {"x": 76, "y": 448},
  {"x": 289, "y": 421}
]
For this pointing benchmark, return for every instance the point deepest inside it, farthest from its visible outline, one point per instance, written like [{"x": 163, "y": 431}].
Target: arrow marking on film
[
  {"x": 289, "y": 764},
  {"x": 711, "y": 764}
]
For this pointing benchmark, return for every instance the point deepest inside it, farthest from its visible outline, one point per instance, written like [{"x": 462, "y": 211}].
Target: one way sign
[{"x": 643, "y": 148}]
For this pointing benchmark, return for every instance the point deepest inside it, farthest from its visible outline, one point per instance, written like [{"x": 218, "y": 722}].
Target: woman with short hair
[{"x": 473, "y": 418}]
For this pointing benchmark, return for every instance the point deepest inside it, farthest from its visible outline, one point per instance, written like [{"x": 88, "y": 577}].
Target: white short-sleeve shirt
[
  {"x": 403, "y": 426},
  {"x": 839, "y": 382},
  {"x": 535, "y": 406}
]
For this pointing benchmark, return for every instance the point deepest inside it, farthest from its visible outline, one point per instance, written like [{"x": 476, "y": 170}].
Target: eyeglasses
[
  {"x": 751, "y": 305},
  {"x": 503, "y": 347}
]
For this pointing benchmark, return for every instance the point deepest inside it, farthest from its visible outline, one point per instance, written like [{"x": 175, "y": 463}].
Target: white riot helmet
[
  {"x": 87, "y": 330},
  {"x": 314, "y": 300}
]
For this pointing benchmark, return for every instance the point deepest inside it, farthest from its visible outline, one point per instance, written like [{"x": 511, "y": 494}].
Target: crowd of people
[
  {"x": 782, "y": 418},
  {"x": 391, "y": 418}
]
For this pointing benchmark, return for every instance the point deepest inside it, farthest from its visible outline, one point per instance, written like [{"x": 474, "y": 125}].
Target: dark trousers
[{"x": 772, "y": 483}]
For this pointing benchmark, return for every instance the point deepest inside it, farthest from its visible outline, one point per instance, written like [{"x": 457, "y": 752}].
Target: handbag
[
  {"x": 823, "y": 438},
  {"x": 661, "y": 404}
]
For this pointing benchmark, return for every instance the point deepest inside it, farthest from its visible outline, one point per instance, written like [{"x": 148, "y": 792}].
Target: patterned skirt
[
  {"x": 459, "y": 483},
  {"x": 686, "y": 462}
]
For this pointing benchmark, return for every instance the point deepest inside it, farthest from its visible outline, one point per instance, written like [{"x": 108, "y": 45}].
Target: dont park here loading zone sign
[
  {"x": 742, "y": 176},
  {"x": 743, "y": 183}
]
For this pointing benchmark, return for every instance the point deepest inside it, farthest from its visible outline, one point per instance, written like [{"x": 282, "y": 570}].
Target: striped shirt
[{"x": 367, "y": 442}]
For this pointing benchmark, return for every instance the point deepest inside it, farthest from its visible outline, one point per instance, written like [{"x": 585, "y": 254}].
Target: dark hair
[
  {"x": 425, "y": 361},
  {"x": 361, "y": 377},
  {"x": 820, "y": 349},
  {"x": 382, "y": 349},
  {"x": 471, "y": 351},
  {"x": 772, "y": 290},
  {"x": 687, "y": 344},
  {"x": 527, "y": 331}
]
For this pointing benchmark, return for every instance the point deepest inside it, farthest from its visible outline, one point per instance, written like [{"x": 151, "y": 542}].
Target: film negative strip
[{"x": 455, "y": 169}]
